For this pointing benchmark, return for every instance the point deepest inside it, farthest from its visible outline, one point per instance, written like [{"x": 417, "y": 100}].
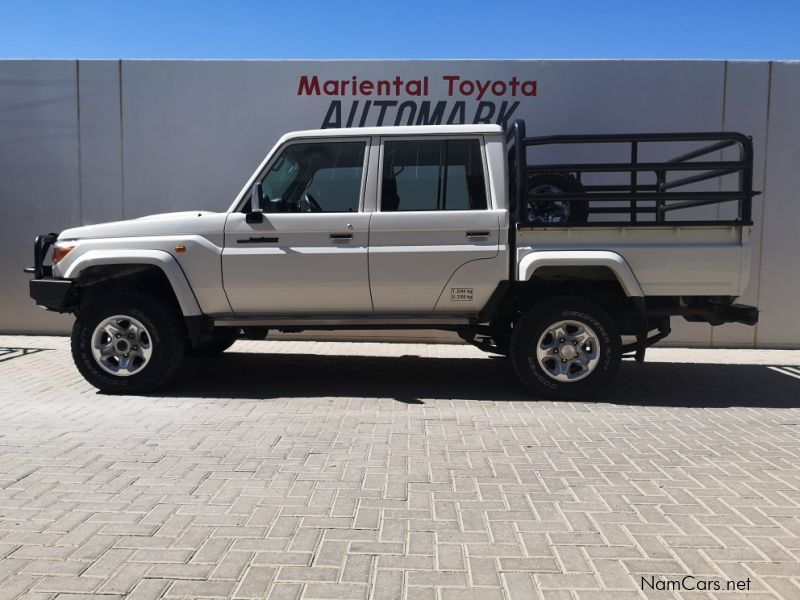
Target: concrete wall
[{"x": 90, "y": 141}]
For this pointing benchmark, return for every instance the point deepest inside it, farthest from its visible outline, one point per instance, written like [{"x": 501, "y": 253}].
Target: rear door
[{"x": 434, "y": 240}]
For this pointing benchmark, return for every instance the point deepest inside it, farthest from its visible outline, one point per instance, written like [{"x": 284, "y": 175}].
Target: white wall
[{"x": 90, "y": 141}]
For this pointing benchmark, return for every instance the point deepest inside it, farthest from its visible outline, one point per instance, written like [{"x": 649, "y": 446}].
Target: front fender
[
  {"x": 158, "y": 258},
  {"x": 581, "y": 258}
]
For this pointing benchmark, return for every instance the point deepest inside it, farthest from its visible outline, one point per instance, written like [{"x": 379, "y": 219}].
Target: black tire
[
  {"x": 166, "y": 336},
  {"x": 545, "y": 212},
  {"x": 224, "y": 338},
  {"x": 533, "y": 327}
]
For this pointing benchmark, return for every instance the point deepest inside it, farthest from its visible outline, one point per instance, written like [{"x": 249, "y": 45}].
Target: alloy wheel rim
[
  {"x": 121, "y": 345},
  {"x": 568, "y": 351}
]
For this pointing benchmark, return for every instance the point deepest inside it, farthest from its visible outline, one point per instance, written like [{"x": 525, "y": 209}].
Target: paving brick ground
[{"x": 389, "y": 471}]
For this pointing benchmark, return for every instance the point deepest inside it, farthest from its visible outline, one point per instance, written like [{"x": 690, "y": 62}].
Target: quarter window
[
  {"x": 315, "y": 177},
  {"x": 432, "y": 175}
]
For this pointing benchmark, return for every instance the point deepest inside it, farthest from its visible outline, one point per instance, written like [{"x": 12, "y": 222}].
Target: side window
[
  {"x": 432, "y": 175},
  {"x": 315, "y": 177}
]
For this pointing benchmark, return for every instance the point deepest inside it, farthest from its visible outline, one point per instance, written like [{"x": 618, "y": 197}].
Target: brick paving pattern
[{"x": 288, "y": 470}]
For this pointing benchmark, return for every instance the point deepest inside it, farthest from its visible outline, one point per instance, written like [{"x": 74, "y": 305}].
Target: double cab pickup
[{"x": 564, "y": 267}]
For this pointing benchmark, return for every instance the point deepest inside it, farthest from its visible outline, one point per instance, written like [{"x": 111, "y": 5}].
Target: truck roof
[{"x": 480, "y": 128}]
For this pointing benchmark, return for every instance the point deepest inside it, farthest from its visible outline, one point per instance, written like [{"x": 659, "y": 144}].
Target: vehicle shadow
[
  {"x": 10, "y": 353},
  {"x": 414, "y": 380}
]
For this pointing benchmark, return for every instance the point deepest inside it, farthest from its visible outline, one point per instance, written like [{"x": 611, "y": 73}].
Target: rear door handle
[
  {"x": 477, "y": 234},
  {"x": 341, "y": 236}
]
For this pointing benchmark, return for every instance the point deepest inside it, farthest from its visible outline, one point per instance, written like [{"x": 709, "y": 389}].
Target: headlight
[{"x": 60, "y": 250}]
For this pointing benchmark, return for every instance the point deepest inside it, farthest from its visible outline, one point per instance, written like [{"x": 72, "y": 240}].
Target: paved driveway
[{"x": 398, "y": 471}]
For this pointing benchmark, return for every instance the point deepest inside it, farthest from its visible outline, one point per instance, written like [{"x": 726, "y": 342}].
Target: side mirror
[{"x": 256, "y": 214}]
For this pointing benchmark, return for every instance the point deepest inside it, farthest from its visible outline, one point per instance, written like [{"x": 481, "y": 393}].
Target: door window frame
[
  {"x": 367, "y": 141},
  {"x": 490, "y": 200}
]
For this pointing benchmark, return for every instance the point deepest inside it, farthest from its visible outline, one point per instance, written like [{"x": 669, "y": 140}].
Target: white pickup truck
[{"x": 564, "y": 267}]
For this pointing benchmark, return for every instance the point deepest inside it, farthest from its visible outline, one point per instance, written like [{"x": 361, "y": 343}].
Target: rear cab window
[{"x": 432, "y": 175}]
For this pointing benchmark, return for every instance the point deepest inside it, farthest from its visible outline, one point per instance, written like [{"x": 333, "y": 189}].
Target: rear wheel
[
  {"x": 128, "y": 343},
  {"x": 565, "y": 348}
]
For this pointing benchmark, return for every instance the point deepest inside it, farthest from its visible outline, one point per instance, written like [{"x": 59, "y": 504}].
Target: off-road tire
[
  {"x": 564, "y": 183},
  {"x": 224, "y": 338},
  {"x": 166, "y": 332},
  {"x": 535, "y": 322}
]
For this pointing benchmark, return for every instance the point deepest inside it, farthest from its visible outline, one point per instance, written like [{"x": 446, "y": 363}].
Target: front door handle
[
  {"x": 341, "y": 236},
  {"x": 477, "y": 234}
]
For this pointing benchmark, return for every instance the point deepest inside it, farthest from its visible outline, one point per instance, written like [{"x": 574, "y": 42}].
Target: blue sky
[{"x": 716, "y": 29}]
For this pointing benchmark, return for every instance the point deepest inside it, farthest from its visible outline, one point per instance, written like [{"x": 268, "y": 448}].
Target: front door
[
  {"x": 434, "y": 241},
  {"x": 309, "y": 254}
]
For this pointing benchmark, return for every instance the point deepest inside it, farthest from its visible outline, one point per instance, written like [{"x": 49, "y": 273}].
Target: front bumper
[{"x": 53, "y": 293}]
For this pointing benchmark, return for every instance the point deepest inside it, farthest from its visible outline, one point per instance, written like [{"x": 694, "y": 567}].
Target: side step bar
[{"x": 347, "y": 321}]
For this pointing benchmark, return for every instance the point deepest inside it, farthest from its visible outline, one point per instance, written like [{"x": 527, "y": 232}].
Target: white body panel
[
  {"x": 666, "y": 261},
  {"x": 201, "y": 233},
  {"x": 416, "y": 257},
  {"x": 530, "y": 261},
  {"x": 204, "y": 223},
  {"x": 304, "y": 271},
  {"x": 157, "y": 258}
]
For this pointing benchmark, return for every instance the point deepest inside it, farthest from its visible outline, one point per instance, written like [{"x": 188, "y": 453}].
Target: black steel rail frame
[{"x": 632, "y": 193}]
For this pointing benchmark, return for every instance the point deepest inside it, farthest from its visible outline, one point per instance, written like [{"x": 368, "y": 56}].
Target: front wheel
[
  {"x": 566, "y": 348},
  {"x": 128, "y": 343}
]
